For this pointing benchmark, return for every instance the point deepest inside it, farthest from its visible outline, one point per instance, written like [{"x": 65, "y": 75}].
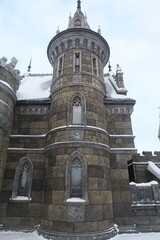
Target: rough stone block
[
  {"x": 97, "y": 197},
  {"x": 93, "y": 213},
  {"x": 58, "y": 197},
  {"x": 17, "y": 210},
  {"x": 57, "y": 213},
  {"x": 121, "y": 196},
  {"x": 34, "y": 210},
  {"x": 86, "y": 227}
]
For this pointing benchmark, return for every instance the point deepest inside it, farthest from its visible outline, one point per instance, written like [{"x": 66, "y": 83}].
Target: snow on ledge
[
  {"x": 75, "y": 200},
  {"x": 21, "y": 198},
  {"x": 153, "y": 169},
  {"x": 149, "y": 184}
]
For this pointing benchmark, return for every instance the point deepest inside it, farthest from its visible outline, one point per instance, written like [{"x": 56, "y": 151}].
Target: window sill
[
  {"x": 21, "y": 199},
  {"x": 76, "y": 201}
]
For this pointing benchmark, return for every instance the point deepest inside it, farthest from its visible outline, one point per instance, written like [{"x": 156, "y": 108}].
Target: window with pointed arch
[
  {"x": 23, "y": 180},
  {"x": 76, "y": 178},
  {"x": 77, "y": 110}
]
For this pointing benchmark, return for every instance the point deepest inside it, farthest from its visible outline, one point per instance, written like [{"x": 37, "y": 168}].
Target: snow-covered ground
[{"x": 34, "y": 236}]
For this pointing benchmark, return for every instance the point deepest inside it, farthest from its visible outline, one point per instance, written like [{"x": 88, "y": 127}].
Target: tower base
[{"x": 103, "y": 235}]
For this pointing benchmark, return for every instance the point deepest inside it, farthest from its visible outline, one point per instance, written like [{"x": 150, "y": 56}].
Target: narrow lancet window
[
  {"x": 60, "y": 66},
  {"x": 23, "y": 180},
  {"x": 77, "y": 110},
  {"x": 76, "y": 178},
  {"x": 77, "y": 62},
  {"x": 94, "y": 66}
]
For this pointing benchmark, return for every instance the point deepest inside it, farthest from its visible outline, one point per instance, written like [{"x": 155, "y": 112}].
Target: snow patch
[
  {"x": 34, "y": 87},
  {"x": 149, "y": 184},
  {"x": 153, "y": 169},
  {"x": 75, "y": 200},
  {"x": 21, "y": 198}
]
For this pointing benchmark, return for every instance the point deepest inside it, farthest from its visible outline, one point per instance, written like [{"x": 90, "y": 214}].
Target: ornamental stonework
[
  {"x": 77, "y": 135},
  {"x": 31, "y": 110},
  {"x": 5, "y": 116},
  {"x": 76, "y": 213}
]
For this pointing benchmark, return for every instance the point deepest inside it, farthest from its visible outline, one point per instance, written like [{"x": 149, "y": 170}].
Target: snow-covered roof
[
  {"x": 153, "y": 169},
  {"x": 34, "y": 86},
  {"x": 112, "y": 89}
]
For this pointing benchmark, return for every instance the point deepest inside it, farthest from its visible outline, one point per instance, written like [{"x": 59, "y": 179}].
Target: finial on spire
[
  {"x": 99, "y": 30},
  {"x": 29, "y": 66},
  {"x": 58, "y": 31},
  {"x": 78, "y": 5},
  {"x": 109, "y": 67},
  {"x": 118, "y": 68}
]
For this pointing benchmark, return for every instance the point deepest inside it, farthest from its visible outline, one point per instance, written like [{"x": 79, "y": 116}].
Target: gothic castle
[{"x": 67, "y": 157}]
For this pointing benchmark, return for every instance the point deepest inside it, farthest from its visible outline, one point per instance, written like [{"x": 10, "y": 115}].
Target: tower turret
[
  {"x": 77, "y": 152},
  {"x": 9, "y": 83}
]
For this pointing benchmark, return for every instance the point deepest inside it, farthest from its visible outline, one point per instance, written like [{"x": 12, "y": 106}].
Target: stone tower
[
  {"x": 9, "y": 83},
  {"x": 77, "y": 185}
]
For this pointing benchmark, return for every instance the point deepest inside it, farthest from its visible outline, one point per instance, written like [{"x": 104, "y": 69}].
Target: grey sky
[{"x": 131, "y": 28}]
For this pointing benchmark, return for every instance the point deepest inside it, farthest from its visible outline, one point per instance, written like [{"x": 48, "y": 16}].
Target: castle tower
[
  {"x": 77, "y": 188},
  {"x": 9, "y": 83}
]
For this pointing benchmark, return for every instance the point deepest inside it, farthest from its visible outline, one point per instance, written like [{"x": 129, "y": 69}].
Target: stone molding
[
  {"x": 101, "y": 235},
  {"x": 78, "y": 144},
  {"x": 5, "y": 116},
  {"x": 59, "y": 84}
]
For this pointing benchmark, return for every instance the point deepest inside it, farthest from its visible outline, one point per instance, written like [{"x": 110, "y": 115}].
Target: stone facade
[{"x": 66, "y": 160}]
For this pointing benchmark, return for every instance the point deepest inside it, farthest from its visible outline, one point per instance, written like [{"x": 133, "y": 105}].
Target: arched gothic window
[
  {"x": 77, "y": 23},
  {"x": 85, "y": 42},
  {"x": 77, "y": 42},
  {"x": 76, "y": 177},
  {"x": 77, "y": 110},
  {"x": 23, "y": 180}
]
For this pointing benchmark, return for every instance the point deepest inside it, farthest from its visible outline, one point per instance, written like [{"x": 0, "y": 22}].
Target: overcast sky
[{"x": 131, "y": 28}]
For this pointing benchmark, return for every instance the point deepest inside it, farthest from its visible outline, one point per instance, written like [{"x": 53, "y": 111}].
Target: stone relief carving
[
  {"x": 76, "y": 213},
  {"x": 77, "y": 135},
  {"x": 5, "y": 116}
]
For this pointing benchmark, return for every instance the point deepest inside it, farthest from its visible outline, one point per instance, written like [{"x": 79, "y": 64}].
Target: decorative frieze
[
  {"x": 122, "y": 110},
  {"x": 32, "y": 110}
]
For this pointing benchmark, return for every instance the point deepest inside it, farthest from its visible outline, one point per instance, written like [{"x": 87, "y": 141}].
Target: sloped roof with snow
[
  {"x": 112, "y": 89},
  {"x": 34, "y": 86}
]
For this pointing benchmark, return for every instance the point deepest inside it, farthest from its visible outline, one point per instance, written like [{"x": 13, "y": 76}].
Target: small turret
[
  {"x": 119, "y": 77},
  {"x": 79, "y": 20}
]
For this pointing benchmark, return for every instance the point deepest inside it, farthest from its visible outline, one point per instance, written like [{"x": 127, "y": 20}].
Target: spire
[
  {"x": 78, "y": 5},
  {"x": 29, "y": 66}
]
